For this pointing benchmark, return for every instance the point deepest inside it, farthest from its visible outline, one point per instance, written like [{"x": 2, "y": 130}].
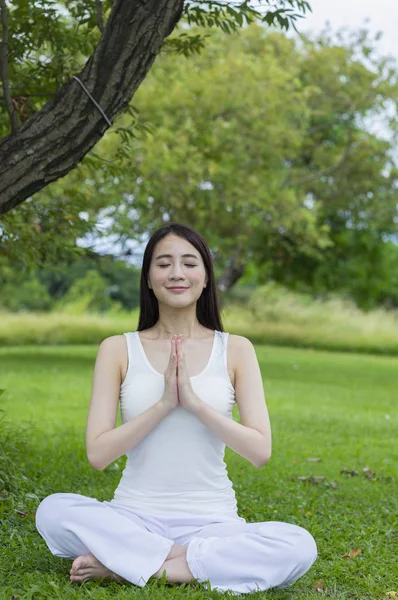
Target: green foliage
[
  {"x": 26, "y": 295},
  {"x": 120, "y": 280},
  {"x": 276, "y": 133},
  {"x": 45, "y": 231},
  {"x": 273, "y": 302},
  {"x": 51, "y": 40},
  {"x": 366, "y": 268},
  {"x": 217, "y": 158},
  {"x": 231, "y": 16},
  {"x": 271, "y": 315},
  {"x": 361, "y": 265},
  {"x": 123, "y": 281},
  {"x": 261, "y": 142},
  {"x": 89, "y": 283},
  {"x": 88, "y": 294}
]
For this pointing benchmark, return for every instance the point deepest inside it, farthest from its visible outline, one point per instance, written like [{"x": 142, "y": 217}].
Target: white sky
[{"x": 382, "y": 15}]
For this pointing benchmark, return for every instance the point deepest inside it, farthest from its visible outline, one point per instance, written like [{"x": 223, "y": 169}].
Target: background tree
[
  {"x": 264, "y": 143},
  {"x": 53, "y": 40},
  {"x": 348, "y": 171},
  {"x": 88, "y": 282}
]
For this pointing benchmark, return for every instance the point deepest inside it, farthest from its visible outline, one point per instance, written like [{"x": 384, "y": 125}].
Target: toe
[
  {"x": 76, "y": 565},
  {"x": 81, "y": 562},
  {"x": 81, "y": 576}
]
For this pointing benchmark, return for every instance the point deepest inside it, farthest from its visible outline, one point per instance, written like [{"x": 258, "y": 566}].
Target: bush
[
  {"x": 28, "y": 295},
  {"x": 91, "y": 294},
  {"x": 274, "y": 303}
]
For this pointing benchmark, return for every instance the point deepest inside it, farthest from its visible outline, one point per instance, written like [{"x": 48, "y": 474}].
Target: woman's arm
[
  {"x": 252, "y": 438},
  {"x": 105, "y": 442}
]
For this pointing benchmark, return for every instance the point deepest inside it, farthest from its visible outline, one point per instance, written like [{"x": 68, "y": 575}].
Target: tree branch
[
  {"x": 100, "y": 21},
  {"x": 4, "y": 68},
  {"x": 351, "y": 110},
  {"x": 55, "y": 139},
  {"x": 323, "y": 172}
]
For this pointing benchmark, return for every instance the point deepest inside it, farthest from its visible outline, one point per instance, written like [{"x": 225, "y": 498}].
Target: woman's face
[{"x": 176, "y": 270}]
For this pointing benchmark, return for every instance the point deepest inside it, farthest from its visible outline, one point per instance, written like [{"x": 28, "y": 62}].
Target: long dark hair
[{"x": 207, "y": 306}]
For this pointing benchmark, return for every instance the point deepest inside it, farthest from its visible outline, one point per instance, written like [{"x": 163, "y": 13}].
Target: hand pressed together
[
  {"x": 177, "y": 384},
  {"x": 186, "y": 396}
]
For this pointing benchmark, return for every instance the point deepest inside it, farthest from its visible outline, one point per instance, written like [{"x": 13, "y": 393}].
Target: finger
[
  {"x": 173, "y": 359},
  {"x": 177, "y": 355}
]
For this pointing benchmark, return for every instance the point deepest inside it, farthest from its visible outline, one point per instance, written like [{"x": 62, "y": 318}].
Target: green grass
[
  {"x": 269, "y": 316},
  {"x": 341, "y": 408}
]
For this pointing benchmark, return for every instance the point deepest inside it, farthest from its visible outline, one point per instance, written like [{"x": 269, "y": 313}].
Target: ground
[{"x": 333, "y": 470}]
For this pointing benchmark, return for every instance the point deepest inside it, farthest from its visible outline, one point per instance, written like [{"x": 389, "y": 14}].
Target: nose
[{"x": 176, "y": 272}]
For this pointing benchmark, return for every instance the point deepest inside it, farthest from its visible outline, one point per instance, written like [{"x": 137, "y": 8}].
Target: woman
[{"x": 177, "y": 378}]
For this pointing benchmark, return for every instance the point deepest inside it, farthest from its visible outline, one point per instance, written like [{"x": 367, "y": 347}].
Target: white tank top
[{"x": 178, "y": 468}]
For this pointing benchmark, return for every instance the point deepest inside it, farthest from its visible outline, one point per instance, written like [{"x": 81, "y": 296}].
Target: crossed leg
[
  {"x": 102, "y": 541},
  {"x": 247, "y": 557},
  {"x": 89, "y": 567},
  {"x": 242, "y": 557},
  {"x": 176, "y": 566}
]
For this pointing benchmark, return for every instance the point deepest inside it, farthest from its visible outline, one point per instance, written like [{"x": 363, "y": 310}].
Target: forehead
[{"x": 175, "y": 246}]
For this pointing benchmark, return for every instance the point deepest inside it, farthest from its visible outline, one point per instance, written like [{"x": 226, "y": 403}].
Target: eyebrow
[{"x": 170, "y": 256}]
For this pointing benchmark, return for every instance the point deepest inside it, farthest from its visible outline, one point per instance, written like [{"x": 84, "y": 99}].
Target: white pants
[{"x": 225, "y": 550}]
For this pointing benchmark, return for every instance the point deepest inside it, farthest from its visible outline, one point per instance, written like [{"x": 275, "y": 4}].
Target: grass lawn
[{"x": 339, "y": 408}]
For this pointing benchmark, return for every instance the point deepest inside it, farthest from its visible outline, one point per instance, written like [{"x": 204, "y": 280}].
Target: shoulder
[
  {"x": 113, "y": 350},
  {"x": 113, "y": 343},
  {"x": 239, "y": 348},
  {"x": 239, "y": 343}
]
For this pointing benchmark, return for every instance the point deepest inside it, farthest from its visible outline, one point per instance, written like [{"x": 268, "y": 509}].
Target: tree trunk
[
  {"x": 230, "y": 275},
  {"x": 56, "y": 138}
]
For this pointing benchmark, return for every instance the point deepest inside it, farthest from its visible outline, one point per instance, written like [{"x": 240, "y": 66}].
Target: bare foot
[{"x": 89, "y": 567}]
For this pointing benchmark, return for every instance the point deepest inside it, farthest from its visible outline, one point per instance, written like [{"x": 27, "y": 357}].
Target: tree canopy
[
  {"x": 260, "y": 141},
  {"x": 44, "y": 47}
]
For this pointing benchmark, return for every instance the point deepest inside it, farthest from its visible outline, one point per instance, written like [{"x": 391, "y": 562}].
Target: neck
[{"x": 185, "y": 328}]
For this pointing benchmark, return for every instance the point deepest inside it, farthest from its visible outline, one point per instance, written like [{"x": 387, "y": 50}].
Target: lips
[{"x": 177, "y": 288}]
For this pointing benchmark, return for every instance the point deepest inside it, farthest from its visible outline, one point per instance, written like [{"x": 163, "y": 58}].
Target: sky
[{"x": 382, "y": 15}]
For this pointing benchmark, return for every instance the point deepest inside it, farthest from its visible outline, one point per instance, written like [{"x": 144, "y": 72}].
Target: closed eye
[{"x": 161, "y": 266}]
